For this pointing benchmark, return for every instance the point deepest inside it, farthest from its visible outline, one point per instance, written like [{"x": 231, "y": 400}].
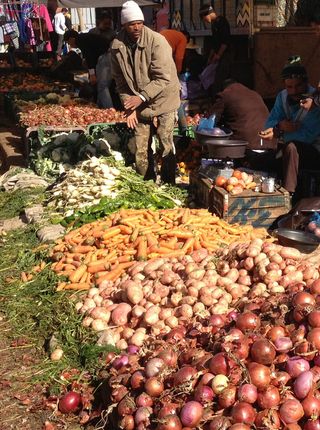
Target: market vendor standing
[
  {"x": 148, "y": 85},
  {"x": 297, "y": 128},
  {"x": 221, "y": 52}
]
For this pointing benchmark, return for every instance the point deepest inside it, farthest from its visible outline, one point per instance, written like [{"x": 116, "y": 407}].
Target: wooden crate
[
  {"x": 200, "y": 190},
  {"x": 257, "y": 209}
]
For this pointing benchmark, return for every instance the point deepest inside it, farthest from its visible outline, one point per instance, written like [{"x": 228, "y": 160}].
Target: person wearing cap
[
  {"x": 296, "y": 127},
  {"x": 221, "y": 49},
  {"x": 147, "y": 82},
  {"x": 178, "y": 42}
]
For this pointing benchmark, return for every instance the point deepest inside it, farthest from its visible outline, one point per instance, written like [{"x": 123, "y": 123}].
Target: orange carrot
[
  {"x": 112, "y": 231},
  {"x": 142, "y": 249},
  {"x": 98, "y": 266},
  {"x": 151, "y": 239},
  {"x": 82, "y": 249},
  {"x": 78, "y": 273},
  {"x": 180, "y": 234},
  {"x": 188, "y": 244},
  {"x": 111, "y": 276},
  {"x": 77, "y": 286},
  {"x": 125, "y": 230},
  {"x": 61, "y": 286}
]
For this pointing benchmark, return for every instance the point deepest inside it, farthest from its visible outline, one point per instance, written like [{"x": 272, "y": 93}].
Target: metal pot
[
  {"x": 222, "y": 147},
  {"x": 303, "y": 241}
]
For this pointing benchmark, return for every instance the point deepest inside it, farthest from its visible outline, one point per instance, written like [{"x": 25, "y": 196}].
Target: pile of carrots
[{"x": 105, "y": 249}]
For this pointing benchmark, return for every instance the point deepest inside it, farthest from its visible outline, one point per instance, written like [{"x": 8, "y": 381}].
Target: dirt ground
[{"x": 21, "y": 405}]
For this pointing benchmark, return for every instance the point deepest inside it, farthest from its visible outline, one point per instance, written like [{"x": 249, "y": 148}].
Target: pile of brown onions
[
  {"x": 258, "y": 367},
  {"x": 155, "y": 297},
  {"x": 56, "y": 115}
]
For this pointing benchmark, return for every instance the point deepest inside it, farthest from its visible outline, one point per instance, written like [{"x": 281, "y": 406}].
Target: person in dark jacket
[
  {"x": 243, "y": 111},
  {"x": 221, "y": 48},
  {"x": 92, "y": 47},
  {"x": 104, "y": 28}
]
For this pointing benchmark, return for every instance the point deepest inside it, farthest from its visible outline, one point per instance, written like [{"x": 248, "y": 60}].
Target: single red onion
[
  {"x": 121, "y": 361},
  {"x": 142, "y": 416},
  {"x": 243, "y": 412},
  {"x": 203, "y": 394},
  {"x": 232, "y": 316},
  {"x": 312, "y": 425},
  {"x": 248, "y": 393},
  {"x": 303, "y": 384},
  {"x": 283, "y": 344},
  {"x": 153, "y": 367},
  {"x": 191, "y": 414},
  {"x": 291, "y": 411},
  {"x": 297, "y": 365},
  {"x": 217, "y": 320},
  {"x": 133, "y": 349},
  {"x": 69, "y": 402}
]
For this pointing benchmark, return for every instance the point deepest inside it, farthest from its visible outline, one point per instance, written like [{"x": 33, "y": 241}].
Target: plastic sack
[
  {"x": 207, "y": 123},
  {"x": 208, "y": 76}
]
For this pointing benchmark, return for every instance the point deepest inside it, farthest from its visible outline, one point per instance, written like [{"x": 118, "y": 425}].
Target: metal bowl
[
  {"x": 222, "y": 147},
  {"x": 303, "y": 241}
]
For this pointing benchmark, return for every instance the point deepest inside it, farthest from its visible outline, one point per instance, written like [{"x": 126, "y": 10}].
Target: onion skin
[
  {"x": 191, "y": 414},
  {"x": 303, "y": 384},
  {"x": 268, "y": 419},
  {"x": 291, "y": 411},
  {"x": 220, "y": 423}
]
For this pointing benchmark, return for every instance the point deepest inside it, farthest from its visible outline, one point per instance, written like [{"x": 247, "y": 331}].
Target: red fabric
[{"x": 178, "y": 43}]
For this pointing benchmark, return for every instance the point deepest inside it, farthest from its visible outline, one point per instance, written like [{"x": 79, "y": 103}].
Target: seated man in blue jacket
[{"x": 297, "y": 128}]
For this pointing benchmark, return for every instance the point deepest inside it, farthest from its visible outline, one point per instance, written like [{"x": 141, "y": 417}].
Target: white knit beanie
[{"x": 131, "y": 12}]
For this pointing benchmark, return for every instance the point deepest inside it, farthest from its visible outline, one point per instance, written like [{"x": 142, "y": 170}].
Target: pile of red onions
[{"x": 258, "y": 367}]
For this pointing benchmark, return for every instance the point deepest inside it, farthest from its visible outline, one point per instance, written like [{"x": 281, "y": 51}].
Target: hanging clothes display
[{"x": 25, "y": 24}]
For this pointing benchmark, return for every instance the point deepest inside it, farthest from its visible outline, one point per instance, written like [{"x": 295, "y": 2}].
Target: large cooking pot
[{"x": 222, "y": 147}]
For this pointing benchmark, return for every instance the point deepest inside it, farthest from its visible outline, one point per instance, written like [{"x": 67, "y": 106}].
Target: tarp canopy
[{"x": 102, "y": 3}]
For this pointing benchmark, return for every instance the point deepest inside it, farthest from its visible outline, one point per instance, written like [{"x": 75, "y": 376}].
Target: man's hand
[
  {"x": 288, "y": 126},
  {"x": 307, "y": 104},
  {"x": 132, "y": 103},
  {"x": 267, "y": 134},
  {"x": 132, "y": 120},
  {"x": 93, "y": 79}
]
